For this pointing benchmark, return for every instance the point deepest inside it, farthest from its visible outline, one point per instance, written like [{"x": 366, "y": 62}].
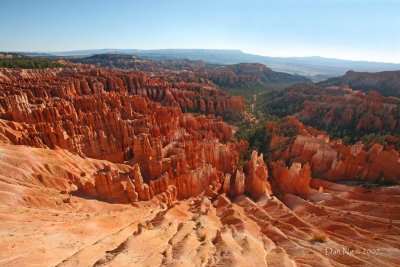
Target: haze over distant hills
[{"x": 315, "y": 68}]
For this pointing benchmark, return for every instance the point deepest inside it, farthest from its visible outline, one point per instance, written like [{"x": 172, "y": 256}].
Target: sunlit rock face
[
  {"x": 335, "y": 161},
  {"x": 293, "y": 180},
  {"x": 256, "y": 171}
]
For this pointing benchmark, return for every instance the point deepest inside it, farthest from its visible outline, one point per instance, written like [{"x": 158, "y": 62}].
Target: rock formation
[
  {"x": 131, "y": 118},
  {"x": 116, "y": 187},
  {"x": 333, "y": 160},
  {"x": 252, "y": 180},
  {"x": 294, "y": 180},
  {"x": 256, "y": 172}
]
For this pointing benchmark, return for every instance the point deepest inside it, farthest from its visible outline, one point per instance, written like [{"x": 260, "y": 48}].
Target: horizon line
[{"x": 211, "y": 49}]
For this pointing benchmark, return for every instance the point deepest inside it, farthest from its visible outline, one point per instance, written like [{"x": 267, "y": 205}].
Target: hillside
[
  {"x": 342, "y": 112},
  {"x": 387, "y": 83}
]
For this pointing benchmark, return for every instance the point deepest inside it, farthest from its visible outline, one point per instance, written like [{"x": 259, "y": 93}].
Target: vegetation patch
[{"x": 29, "y": 63}]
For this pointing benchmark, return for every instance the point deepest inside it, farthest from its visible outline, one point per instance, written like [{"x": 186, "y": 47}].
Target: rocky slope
[
  {"x": 44, "y": 225},
  {"x": 387, "y": 83}
]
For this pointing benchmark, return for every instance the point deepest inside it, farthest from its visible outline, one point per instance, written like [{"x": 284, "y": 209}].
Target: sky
[{"x": 346, "y": 29}]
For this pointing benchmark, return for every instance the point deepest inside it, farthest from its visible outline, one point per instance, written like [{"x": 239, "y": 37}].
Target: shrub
[{"x": 319, "y": 236}]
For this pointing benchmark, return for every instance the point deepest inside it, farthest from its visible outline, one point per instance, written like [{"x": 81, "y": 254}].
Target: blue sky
[{"x": 349, "y": 29}]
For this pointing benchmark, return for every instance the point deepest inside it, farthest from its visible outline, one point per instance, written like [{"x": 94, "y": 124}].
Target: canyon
[{"x": 142, "y": 167}]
